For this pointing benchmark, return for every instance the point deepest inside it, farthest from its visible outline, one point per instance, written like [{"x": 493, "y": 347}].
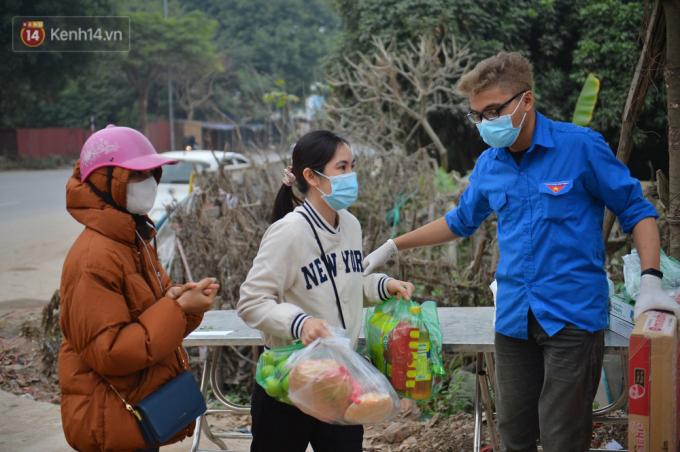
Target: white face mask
[{"x": 141, "y": 196}]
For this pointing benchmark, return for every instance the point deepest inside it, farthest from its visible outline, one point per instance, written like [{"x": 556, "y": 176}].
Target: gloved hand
[
  {"x": 653, "y": 297},
  {"x": 378, "y": 257}
]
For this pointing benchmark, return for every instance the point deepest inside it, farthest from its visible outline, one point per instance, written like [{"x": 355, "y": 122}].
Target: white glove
[
  {"x": 378, "y": 257},
  {"x": 653, "y": 297}
]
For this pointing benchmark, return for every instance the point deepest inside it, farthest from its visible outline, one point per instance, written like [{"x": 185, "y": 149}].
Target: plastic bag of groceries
[
  {"x": 335, "y": 384},
  {"x": 405, "y": 343},
  {"x": 272, "y": 372},
  {"x": 670, "y": 268}
]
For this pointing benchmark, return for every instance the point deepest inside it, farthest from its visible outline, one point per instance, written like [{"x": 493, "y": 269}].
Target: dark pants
[
  {"x": 546, "y": 388},
  {"x": 281, "y": 427}
]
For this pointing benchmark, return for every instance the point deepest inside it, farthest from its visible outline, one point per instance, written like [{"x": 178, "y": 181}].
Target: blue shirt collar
[{"x": 542, "y": 137}]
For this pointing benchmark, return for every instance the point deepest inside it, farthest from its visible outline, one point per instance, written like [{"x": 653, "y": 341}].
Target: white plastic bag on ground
[{"x": 333, "y": 383}]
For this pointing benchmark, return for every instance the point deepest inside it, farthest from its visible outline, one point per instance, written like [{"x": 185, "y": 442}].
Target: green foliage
[
  {"x": 455, "y": 393},
  {"x": 444, "y": 182},
  {"x": 585, "y": 105},
  {"x": 106, "y": 86},
  {"x": 174, "y": 43},
  {"x": 255, "y": 41},
  {"x": 281, "y": 103},
  {"x": 608, "y": 46},
  {"x": 564, "y": 39},
  {"x": 485, "y": 26},
  {"x": 166, "y": 45},
  {"x": 258, "y": 41},
  {"x": 279, "y": 98},
  {"x": 284, "y": 40},
  {"x": 102, "y": 92},
  {"x": 33, "y": 79}
]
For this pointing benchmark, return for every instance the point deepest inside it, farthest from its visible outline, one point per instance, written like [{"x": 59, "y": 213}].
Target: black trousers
[
  {"x": 278, "y": 427},
  {"x": 546, "y": 388}
]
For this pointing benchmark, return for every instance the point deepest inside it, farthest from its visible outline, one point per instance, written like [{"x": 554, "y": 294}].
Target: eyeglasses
[{"x": 490, "y": 114}]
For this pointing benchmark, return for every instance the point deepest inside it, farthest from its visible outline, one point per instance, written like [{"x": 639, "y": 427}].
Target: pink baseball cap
[{"x": 119, "y": 146}]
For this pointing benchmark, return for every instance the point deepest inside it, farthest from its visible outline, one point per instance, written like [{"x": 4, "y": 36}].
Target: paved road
[
  {"x": 30, "y": 426},
  {"x": 35, "y": 234}
]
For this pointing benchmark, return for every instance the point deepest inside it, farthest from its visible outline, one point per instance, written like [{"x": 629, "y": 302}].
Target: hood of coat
[{"x": 89, "y": 209}]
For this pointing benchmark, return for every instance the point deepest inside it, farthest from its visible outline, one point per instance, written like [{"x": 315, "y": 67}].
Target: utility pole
[{"x": 171, "y": 106}]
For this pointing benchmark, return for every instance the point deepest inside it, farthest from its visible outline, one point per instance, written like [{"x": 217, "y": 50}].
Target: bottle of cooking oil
[{"x": 419, "y": 373}]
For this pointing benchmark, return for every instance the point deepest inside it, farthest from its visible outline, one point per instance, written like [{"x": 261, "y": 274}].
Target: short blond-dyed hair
[{"x": 508, "y": 70}]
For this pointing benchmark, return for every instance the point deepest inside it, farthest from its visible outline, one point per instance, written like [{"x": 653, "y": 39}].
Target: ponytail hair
[
  {"x": 285, "y": 202},
  {"x": 314, "y": 150}
]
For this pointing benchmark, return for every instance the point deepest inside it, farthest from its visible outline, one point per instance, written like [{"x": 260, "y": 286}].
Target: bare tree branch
[{"x": 385, "y": 95}]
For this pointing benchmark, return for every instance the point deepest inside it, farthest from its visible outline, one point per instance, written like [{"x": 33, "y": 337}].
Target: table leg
[
  {"x": 485, "y": 382},
  {"x": 491, "y": 370},
  {"x": 217, "y": 388},
  {"x": 213, "y": 437},
  {"x": 203, "y": 359},
  {"x": 477, "y": 439},
  {"x": 202, "y": 425}
]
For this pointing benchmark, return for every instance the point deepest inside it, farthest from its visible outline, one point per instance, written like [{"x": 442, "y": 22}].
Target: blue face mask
[
  {"x": 344, "y": 190},
  {"x": 500, "y": 133}
]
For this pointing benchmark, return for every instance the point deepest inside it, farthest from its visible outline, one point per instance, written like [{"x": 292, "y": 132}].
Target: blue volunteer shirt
[{"x": 550, "y": 211}]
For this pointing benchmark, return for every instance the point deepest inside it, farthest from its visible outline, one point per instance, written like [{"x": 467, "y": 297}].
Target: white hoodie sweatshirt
[{"x": 289, "y": 282}]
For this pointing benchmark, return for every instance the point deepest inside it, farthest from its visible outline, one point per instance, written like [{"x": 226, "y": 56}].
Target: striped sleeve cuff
[
  {"x": 382, "y": 288},
  {"x": 296, "y": 325}
]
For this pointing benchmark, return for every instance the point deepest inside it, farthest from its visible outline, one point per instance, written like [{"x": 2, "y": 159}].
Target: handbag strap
[
  {"x": 128, "y": 407},
  {"x": 328, "y": 269}
]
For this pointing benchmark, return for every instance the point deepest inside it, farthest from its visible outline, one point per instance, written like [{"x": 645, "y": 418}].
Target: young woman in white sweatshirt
[{"x": 294, "y": 291}]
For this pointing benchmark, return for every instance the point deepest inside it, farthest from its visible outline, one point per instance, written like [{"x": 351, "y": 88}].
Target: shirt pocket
[
  {"x": 557, "y": 199},
  {"x": 498, "y": 201}
]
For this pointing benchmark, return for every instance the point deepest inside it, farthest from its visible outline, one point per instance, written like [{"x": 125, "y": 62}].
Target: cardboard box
[
  {"x": 620, "y": 326},
  {"x": 653, "y": 388},
  {"x": 621, "y": 309},
  {"x": 620, "y": 316}
]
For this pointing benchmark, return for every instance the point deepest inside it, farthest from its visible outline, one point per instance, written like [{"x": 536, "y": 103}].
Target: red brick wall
[
  {"x": 159, "y": 135},
  {"x": 67, "y": 141},
  {"x": 50, "y": 141}
]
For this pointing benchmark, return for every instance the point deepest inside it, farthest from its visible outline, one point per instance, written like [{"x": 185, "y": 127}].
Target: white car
[{"x": 174, "y": 185}]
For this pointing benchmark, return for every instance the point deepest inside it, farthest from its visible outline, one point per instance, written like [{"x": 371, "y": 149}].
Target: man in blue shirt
[{"x": 548, "y": 183}]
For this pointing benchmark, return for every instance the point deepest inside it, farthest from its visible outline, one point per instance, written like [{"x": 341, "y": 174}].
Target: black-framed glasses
[{"x": 490, "y": 114}]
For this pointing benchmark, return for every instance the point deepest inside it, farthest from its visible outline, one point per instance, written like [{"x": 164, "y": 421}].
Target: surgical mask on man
[
  {"x": 499, "y": 132},
  {"x": 141, "y": 196},
  {"x": 344, "y": 190}
]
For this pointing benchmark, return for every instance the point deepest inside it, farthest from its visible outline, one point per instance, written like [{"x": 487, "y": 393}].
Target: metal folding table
[{"x": 464, "y": 330}]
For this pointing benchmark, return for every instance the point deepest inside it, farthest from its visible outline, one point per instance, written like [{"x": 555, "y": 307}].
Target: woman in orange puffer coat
[{"x": 123, "y": 321}]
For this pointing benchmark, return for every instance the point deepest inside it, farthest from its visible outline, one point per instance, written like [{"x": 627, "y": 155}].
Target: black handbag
[{"x": 169, "y": 409}]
